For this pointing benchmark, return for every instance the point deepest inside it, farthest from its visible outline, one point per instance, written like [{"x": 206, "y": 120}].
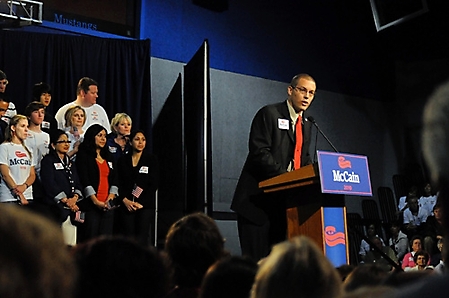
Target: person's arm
[
  {"x": 10, "y": 183},
  {"x": 113, "y": 181}
]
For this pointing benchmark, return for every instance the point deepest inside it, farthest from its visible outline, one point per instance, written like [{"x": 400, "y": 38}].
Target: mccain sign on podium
[{"x": 342, "y": 173}]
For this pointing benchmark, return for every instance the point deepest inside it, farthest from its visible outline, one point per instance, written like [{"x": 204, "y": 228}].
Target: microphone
[{"x": 311, "y": 119}]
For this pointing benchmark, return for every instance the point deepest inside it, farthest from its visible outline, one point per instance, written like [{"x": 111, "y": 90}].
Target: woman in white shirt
[{"x": 16, "y": 164}]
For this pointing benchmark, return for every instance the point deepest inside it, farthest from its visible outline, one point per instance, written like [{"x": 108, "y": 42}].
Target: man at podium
[{"x": 279, "y": 142}]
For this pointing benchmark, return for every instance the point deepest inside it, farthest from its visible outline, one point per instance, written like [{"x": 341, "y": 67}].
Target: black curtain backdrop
[{"x": 121, "y": 68}]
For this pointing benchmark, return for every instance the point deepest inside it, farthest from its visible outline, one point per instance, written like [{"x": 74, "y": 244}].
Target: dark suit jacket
[
  {"x": 271, "y": 150},
  {"x": 56, "y": 182},
  {"x": 89, "y": 175},
  {"x": 145, "y": 175}
]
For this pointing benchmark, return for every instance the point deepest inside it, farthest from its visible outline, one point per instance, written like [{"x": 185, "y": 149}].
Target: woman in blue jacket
[{"x": 61, "y": 183}]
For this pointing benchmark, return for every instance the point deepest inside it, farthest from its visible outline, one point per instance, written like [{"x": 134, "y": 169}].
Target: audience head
[
  {"x": 377, "y": 242},
  {"x": 421, "y": 258},
  {"x": 416, "y": 243},
  {"x": 121, "y": 124},
  {"x": 371, "y": 230},
  {"x": 296, "y": 268},
  {"x": 42, "y": 93},
  {"x": 395, "y": 228},
  {"x": 87, "y": 91},
  {"x": 193, "y": 244},
  {"x": 435, "y": 131},
  {"x": 75, "y": 116},
  {"x": 119, "y": 267},
  {"x": 3, "y": 82},
  {"x": 344, "y": 270},
  {"x": 230, "y": 277},
  {"x": 34, "y": 260},
  {"x": 364, "y": 275},
  {"x": 413, "y": 203},
  {"x": 437, "y": 211}
]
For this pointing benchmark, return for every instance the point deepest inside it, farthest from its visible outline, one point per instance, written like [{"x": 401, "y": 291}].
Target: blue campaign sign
[
  {"x": 335, "y": 235},
  {"x": 342, "y": 173}
]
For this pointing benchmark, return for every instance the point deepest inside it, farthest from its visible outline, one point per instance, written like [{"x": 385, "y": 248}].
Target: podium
[{"x": 315, "y": 202}]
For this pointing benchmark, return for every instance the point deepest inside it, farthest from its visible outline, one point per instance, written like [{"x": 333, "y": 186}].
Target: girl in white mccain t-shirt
[{"x": 16, "y": 164}]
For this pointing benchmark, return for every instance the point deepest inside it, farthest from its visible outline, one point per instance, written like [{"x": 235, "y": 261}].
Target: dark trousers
[
  {"x": 256, "y": 241},
  {"x": 97, "y": 222},
  {"x": 137, "y": 225}
]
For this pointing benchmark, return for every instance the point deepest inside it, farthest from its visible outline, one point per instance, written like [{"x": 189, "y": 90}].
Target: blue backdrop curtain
[{"x": 121, "y": 68}]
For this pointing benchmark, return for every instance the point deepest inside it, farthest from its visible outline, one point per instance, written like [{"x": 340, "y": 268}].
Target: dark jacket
[
  {"x": 90, "y": 176},
  {"x": 145, "y": 175},
  {"x": 271, "y": 150},
  {"x": 56, "y": 181}
]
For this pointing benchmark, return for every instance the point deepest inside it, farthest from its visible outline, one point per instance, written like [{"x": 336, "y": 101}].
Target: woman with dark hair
[
  {"x": 61, "y": 183},
  {"x": 98, "y": 178},
  {"x": 139, "y": 179}
]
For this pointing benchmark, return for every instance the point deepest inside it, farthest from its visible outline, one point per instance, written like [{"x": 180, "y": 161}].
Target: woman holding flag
[{"x": 138, "y": 181}]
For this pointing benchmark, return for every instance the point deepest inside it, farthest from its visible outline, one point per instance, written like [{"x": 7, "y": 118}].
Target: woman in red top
[{"x": 98, "y": 178}]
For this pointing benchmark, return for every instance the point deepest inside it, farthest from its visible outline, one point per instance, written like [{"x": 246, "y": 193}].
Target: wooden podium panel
[{"x": 306, "y": 205}]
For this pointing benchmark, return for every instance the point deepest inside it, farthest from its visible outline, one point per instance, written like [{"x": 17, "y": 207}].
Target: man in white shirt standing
[{"x": 86, "y": 97}]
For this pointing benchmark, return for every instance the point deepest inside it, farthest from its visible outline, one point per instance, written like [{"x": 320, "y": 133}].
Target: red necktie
[{"x": 298, "y": 144}]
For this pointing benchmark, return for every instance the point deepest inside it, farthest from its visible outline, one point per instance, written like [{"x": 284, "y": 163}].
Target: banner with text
[{"x": 342, "y": 173}]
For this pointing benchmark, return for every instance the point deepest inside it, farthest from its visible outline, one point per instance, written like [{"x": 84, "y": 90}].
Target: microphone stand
[{"x": 322, "y": 133}]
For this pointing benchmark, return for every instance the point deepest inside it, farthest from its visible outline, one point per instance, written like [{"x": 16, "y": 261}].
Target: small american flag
[
  {"x": 137, "y": 191},
  {"x": 79, "y": 216}
]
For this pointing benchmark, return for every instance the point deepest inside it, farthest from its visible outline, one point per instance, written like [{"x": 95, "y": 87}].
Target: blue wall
[{"x": 274, "y": 40}]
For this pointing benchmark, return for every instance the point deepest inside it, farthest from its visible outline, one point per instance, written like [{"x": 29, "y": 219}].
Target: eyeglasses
[
  {"x": 304, "y": 91},
  {"x": 5, "y": 82},
  {"x": 62, "y": 142}
]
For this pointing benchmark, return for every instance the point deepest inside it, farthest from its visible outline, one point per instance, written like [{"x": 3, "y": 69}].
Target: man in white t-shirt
[{"x": 86, "y": 97}]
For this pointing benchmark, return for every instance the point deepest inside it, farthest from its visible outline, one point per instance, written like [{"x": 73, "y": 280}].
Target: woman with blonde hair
[
  {"x": 296, "y": 268},
  {"x": 16, "y": 164},
  {"x": 118, "y": 140},
  {"x": 75, "y": 118}
]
